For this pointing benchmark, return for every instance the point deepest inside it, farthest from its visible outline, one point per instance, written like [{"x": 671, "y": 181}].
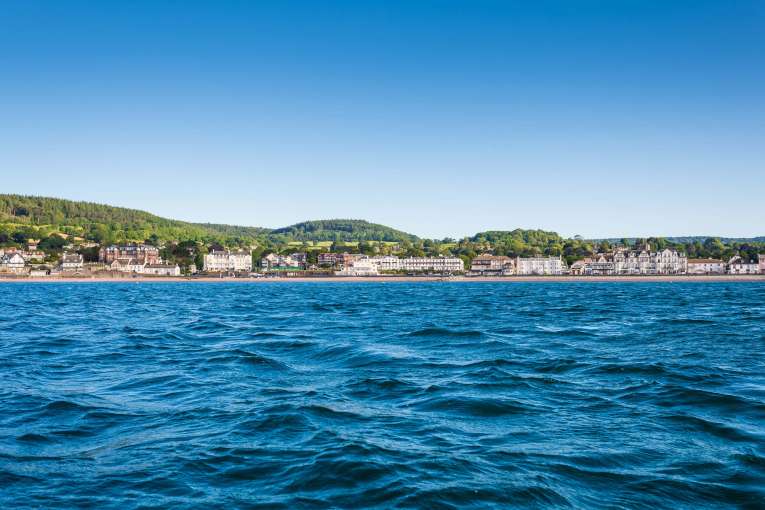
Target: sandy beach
[{"x": 393, "y": 279}]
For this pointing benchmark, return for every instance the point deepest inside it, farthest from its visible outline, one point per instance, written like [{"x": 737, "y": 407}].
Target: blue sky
[{"x": 442, "y": 118}]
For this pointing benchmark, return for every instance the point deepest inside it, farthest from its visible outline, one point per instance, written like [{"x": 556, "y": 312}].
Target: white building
[
  {"x": 417, "y": 264},
  {"x": 738, "y": 265},
  {"x": 275, "y": 262},
  {"x": 12, "y": 263},
  {"x": 360, "y": 267},
  {"x": 219, "y": 261},
  {"x": 387, "y": 263},
  {"x": 670, "y": 262},
  {"x": 33, "y": 255},
  {"x": 539, "y": 266},
  {"x": 124, "y": 265},
  {"x": 642, "y": 262},
  {"x": 434, "y": 264},
  {"x": 162, "y": 269},
  {"x": 492, "y": 265},
  {"x": 761, "y": 259},
  {"x": 71, "y": 262},
  {"x": 706, "y": 266}
]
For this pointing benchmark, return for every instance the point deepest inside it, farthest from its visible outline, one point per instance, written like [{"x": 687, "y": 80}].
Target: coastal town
[{"x": 144, "y": 260}]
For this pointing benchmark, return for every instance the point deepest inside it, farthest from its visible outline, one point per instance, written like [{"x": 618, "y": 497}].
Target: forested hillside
[
  {"x": 341, "y": 230},
  {"x": 105, "y": 223}
]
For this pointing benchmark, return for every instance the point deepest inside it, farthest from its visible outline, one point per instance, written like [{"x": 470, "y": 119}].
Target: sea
[{"x": 434, "y": 395}]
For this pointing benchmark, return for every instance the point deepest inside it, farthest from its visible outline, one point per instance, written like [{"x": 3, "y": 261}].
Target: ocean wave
[
  {"x": 446, "y": 332},
  {"x": 382, "y": 396}
]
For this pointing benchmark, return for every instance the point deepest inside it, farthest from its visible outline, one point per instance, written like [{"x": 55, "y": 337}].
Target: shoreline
[{"x": 391, "y": 279}]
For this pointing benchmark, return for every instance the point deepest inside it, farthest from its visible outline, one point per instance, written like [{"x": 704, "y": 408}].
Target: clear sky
[{"x": 441, "y": 117}]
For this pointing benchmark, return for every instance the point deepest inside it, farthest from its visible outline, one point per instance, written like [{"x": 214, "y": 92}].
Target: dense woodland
[
  {"x": 341, "y": 230},
  {"x": 57, "y": 223}
]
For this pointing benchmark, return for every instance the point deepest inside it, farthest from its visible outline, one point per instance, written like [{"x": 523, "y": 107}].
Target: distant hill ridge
[
  {"x": 137, "y": 224},
  {"x": 101, "y": 221}
]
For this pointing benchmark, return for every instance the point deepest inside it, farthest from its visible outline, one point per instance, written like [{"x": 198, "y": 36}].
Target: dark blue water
[{"x": 427, "y": 395}]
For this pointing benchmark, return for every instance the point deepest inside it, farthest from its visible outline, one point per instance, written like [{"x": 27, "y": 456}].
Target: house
[
  {"x": 162, "y": 269},
  {"x": 739, "y": 265},
  {"x": 71, "y": 262},
  {"x": 492, "y": 265},
  {"x": 329, "y": 259},
  {"x": 222, "y": 261},
  {"x": 337, "y": 259},
  {"x": 706, "y": 266},
  {"x": 125, "y": 265},
  {"x": 141, "y": 252},
  {"x": 539, "y": 266},
  {"x": 301, "y": 258},
  {"x": 34, "y": 255},
  {"x": 12, "y": 263},
  {"x": 601, "y": 264},
  {"x": 761, "y": 259},
  {"x": 275, "y": 262},
  {"x": 670, "y": 262},
  {"x": 578, "y": 267},
  {"x": 360, "y": 267}
]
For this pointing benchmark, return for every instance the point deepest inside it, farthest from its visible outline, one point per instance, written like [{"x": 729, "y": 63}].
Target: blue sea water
[{"x": 392, "y": 395}]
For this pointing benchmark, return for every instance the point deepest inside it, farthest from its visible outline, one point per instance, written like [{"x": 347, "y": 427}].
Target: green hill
[
  {"x": 41, "y": 216},
  {"x": 341, "y": 230},
  {"x": 105, "y": 223}
]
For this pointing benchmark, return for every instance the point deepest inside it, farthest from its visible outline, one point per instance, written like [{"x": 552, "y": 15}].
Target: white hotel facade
[
  {"x": 539, "y": 266},
  {"x": 223, "y": 261},
  {"x": 415, "y": 264},
  {"x": 706, "y": 266}
]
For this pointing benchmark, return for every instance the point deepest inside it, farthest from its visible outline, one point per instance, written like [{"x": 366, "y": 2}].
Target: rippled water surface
[{"x": 424, "y": 395}]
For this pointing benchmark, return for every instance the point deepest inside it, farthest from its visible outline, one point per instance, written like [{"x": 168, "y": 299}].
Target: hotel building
[
  {"x": 539, "y": 266},
  {"x": 141, "y": 252},
  {"x": 220, "y": 261},
  {"x": 706, "y": 266},
  {"x": 419, "y": 264}
]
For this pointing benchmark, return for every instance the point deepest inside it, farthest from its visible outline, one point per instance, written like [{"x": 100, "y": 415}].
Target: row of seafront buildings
[
  {"x": 19, "y": 262},
  {"x": 137, "y": 259},
  {"x": 663, "y": 262},
  {"x": 498, "y": 265},
  {"x": 371, "y": 266},
  {"x": 145, "y": 259},
  {"x": 131, "y": 258},
  {"x": 356, "y": 264},
  {"x": 621, "y": 261}
]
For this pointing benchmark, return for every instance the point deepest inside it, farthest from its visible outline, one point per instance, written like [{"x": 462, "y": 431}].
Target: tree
[{"x": 52, "y": 243}]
